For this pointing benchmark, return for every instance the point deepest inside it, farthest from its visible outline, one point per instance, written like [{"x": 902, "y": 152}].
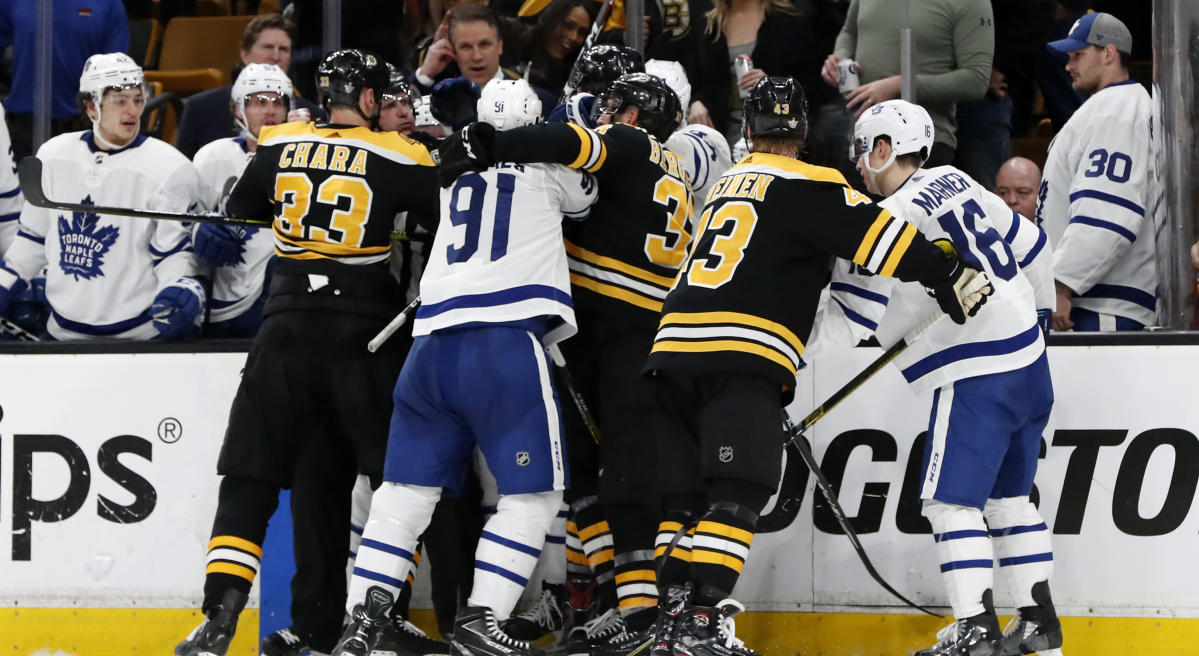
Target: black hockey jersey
[
  {"x": 624, "y": 257},
  {"x": 747, "y": 295},
  {"x": 334, "y": 190}
]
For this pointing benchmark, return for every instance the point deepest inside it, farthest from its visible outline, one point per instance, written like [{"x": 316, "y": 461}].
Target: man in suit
[{"x": 208, "y": 116}]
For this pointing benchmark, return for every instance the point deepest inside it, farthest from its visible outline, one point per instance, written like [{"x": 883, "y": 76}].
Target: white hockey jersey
[
  {"x": 236, "y": 287},
  {"x": 104, "y": 271},
  {"x": 704, "y": 154},
  {"x": 945, "y": 203},
  {"x": 10, "y": 190},
  {"x": 498, "y": 255},
  {"x": 1093, "y": 199}
]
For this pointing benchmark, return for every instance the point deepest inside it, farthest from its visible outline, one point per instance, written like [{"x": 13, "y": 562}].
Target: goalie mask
[
  {"x": 259, "y": 79},
  {"x": 508, "y": 104},
  {"x": 114, "y": 71}
]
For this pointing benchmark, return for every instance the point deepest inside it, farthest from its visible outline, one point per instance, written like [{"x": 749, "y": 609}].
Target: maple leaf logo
[{"x": 84, "y": 243}]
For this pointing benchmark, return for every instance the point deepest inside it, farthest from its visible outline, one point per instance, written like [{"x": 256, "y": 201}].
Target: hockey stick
[
  {"x": 392, "y": 327},
  {"x": 795, "y": 433},
  {"x": 575, "y": 394},
  {"x": 20, "y": 334},
  {"x": 29, "y": 175},
  {"x": 601, "y": 18}
]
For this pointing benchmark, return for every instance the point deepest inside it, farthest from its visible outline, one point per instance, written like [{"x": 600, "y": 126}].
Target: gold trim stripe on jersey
[
  {"x": 616, "y": 279},
  {"x": 710, "y": 332}
]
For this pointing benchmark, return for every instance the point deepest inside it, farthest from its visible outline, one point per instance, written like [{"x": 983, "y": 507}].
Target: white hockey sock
[
  {"x": 509, "y": 548},
  {"x": 1022, "y": 545},
  {"x": 964, "y": 551},
  {"x": 399, "y": 514},
  {"x": 553, "y": 554},
  {"x": 360, "y": 510}
]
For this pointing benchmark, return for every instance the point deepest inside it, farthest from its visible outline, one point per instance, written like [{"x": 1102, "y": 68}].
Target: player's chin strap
[
  {"x": 875, "y": 172},
  {"x": 795, "y": 437},
  {"x": 104, "y": 144}
]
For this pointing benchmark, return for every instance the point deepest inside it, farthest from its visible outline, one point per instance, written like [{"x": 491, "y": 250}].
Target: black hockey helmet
[
  {"x": 660, "y": 109},
  {"x": 344, "y": 74},
  {"x": 776, "y": 107},
  {"x": 398, "y": 86},
  {"x": 600, "y": 66}
]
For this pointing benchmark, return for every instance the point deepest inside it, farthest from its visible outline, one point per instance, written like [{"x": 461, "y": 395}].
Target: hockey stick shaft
[
  {"x": 21, "y": 335},
  {"x": 29, "y": 174},
  {"x": 392, "y": 326},
  {"x": 575, "y": 394},
  {"x": 601, "y": 18}
]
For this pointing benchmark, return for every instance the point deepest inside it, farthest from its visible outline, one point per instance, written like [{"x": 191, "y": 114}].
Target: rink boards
[{"x": 107, "y": 493}]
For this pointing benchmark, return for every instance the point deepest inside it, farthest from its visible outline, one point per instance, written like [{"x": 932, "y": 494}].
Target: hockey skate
[
  {"x": 626, "y": 643},
  {"x": 547, "y": 616},
  {"x": 581, "y": 605},
  {"x": 594, "y": 634},
  {"x": 670, "y": 607},
  {"x": 710, "y": 631},
  {"x": 1035, "y": 629},
  {"x": 369, "y": 621},
  {"x": 478, "y": 633},
  {"x": 977, "y": 635},
  {"x": 402, "y": 638},
  {"x": 215, "y": 632},
  {"x": 284, "y": 642}
]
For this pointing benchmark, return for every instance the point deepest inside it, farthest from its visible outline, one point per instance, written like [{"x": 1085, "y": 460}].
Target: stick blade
[{"x": 29, "y": 176}]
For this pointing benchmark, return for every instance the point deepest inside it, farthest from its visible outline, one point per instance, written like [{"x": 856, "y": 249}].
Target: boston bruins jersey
[
  {"x": 746, "y": 296},
  {"x": 334, "y": 190},
  {"x": 623, "y": 259}
]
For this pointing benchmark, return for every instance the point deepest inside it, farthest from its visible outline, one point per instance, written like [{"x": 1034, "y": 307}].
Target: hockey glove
[
  {"x": 470, "y": 149},
  {"x": 178, "y": 308},
  {"x": 964, "y": 290},
  {"x": 28, "y": 308},
  {"x": 453, "y": 102},
  {"x": 218, "y": 244},
  {"x": 11, "y": 285}
]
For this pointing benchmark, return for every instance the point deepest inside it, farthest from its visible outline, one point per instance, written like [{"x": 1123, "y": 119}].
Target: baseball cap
[{"x": 1096, "y": 29}]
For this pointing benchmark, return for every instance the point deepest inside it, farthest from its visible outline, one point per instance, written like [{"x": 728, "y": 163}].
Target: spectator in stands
[
  {"x": 512, "y": 30},
  {"x": 781, "y": 38},
  {"x": 110, "y": 276},
  {"x": 1097, "y": 185},
  {"x": 553, "y": 43},
  {"x": 81, "y": 29},
  {"x": 1017, "y": 184},
  {"x": 954, "y": 42},
  {"x": 206, "y": 116},
  {"x": 473, "y": 44}
]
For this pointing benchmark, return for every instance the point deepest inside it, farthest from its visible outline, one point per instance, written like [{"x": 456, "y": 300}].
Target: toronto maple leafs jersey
[
  {"x": 236, "y": 287},
  {"x": 747, "y": 294},
  {"x": 703, "y": 154},
  {"x": 104, "y": 271},
  {"x": 1093, "y": 199},
  {"x": 10, "y": 191},
  {"x": 498, "y": 254},
  {"x": 945, "y": 203}
]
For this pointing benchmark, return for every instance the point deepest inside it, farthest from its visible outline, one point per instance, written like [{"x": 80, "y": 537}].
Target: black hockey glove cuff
[{"x": 470, "y": 149}]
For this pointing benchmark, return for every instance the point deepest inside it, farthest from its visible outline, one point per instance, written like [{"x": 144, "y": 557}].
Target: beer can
[
  {"x": 847, "y": 72},
  {"x": 742, "y": 65}
]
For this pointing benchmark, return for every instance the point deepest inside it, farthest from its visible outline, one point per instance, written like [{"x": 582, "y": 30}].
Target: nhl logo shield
[
  {"x": 522, "y": 458},
  {"x": 725, "y": 454}
]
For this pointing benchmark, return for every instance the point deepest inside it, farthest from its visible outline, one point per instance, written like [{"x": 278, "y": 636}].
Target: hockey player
[
  {"x": 623, "y": 262},
  {"x": 1095, "y": 188},
  {"x": 238, "y": 256},
  {"x": 10, "y": 191},
  {"x": 993, "y": 390},
  {"x": 313, "y": 404},
  {"x": 731, "y": 334},
  {"x": 596, "y": 69},
  {"x": 495, "y": 292},
  {"x": 111, "y": 276},
  {"x": 702, "y": 150}
]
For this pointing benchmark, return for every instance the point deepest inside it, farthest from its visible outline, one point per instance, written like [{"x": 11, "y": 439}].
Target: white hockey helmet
[
  {"x": 258, "y": 78},
  {"x": 676, "y": 78},
  {"x": 508, "y": 104},
  {"x": 907, "y": 126},
  {"x": 113, "y": 70}
]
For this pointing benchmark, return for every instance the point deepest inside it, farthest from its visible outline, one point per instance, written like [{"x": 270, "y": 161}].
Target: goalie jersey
[
  {"x": 235, "y": 288},
  {"x": 945, "y": 203},
  {"x": 104, "y": 271},
  {"x": 746, "y": 297},
  {"x": 1093, "y": 201},
  {"x": 497, "y": 256}
]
